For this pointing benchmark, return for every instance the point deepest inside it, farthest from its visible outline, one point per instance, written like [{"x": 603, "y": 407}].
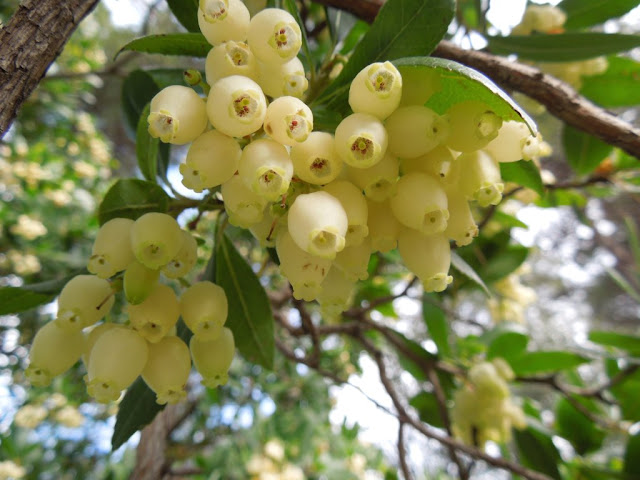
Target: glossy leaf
[
  {"x": 537, "y": 451},
  {"x": 507, "y": 340},
  {"x": 504, "y": 262},
  {"x": 632, "y": 456},
  {"x": 586, "y": 13},
  {"x": 531, "y": 363},
  {"x": 188, "y": 44},
  {"x": 582, "y": 432},
  {"x": 584, "y": 152},
  {"x": 436, "y": 321},
  {"x": 15, "y": 300},
  {"x": 562, "y": 47},
  {"x": 250, "y": 317},
  {"x": 459, "y": 83},
  {"x": 626, "y": 391},
  {"x": 507, "y": 220},
  {"x": 464, "y": 268},
  {"x": 147, "y": 148},
  {"x": 402, "y": 28},
  {"x": 132, "y": 198},
  {"x": 137, "y": 91},
  {"x": 630, "y": 343},
  {"x": 524, "y": 173},
  {"x": 186, "y": 11},
  {"x": 618, "y": 86},
  {"x": 427, "y": 406}
]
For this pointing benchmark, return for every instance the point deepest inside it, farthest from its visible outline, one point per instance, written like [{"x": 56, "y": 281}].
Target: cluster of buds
[
  {"x": 393, "y": 174},
  {"x": 483, "y": 410},
  {"x": 136, "y": 254}
]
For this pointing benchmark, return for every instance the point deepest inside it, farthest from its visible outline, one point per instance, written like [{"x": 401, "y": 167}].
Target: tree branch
[
  {"x": 29, "y": 43},
  {"x": 559, "y": 98}
]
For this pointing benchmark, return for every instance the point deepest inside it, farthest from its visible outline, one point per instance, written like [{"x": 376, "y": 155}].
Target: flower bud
[
  {"x": 318, "y": 224},
  {"x": 204, "y": 309},
  {"x": 473, "y": 125},
  {"x": 288, "y": 120},
  {"x": 376, "y": 90},
  {"x": 167, "y": 369},
  {"x": 54, "y": 351},
  {"x": 274, "y": 36},
  {"x": 184, "y": 260},
  {"x": 177, "y": 115},
  {"x": 266, "y": 168},
  {"x": 156, "y": 238},
  {"x": 212, "y": 358},
  {"x": 304, "y": 271},
  {"x": 212, "y": 159},
  {"x": 154, "y": 318},
  {"x": 361, "y": 140},
  {"x": 223, "y": 20},
  {"x": 243, "y": 205},
  {"x": 278, "y": 79},
  {"x": 415, "y": 130},
  {"x": 355, "y": 206},
  {"x": 315, "y": 160},
  {"x": 230, "y": 58},
  {"x": 84, "y": 300},
  {"x": 420, "y": 203},
  {"x": 236, "y": 106},
  {"x": 428, "y": 257},
  {"x": 111, "y": 251},
  {"x": 116, "y": 360},
  {"x": 139, "y": 282}
]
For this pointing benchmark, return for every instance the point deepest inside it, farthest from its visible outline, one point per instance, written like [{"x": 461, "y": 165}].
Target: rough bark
[
  {"x": 29, "y": 43},
  {"x": 151, "y": 461}
]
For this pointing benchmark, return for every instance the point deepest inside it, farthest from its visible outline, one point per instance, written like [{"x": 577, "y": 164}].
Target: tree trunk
[{"x": 29, "y": 43}]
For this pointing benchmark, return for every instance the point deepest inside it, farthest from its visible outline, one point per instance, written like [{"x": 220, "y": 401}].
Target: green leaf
[
  {"x": 402, "y": 28},
  {"x": 436, "y": 321},
  {"x": 139, "y": 407},
  {"x": 584, "y": 435},
  {"x": 507, "y": 220},
  {"x": 137, "y": 91},
  {"x": 325, "y": 120},
  {"x": 464, "y": 268},
  {"x": 584, "y": 152},
  {"x": 630, "y": 343},
  {"x": 186, "y": 11},
  {"x": 545, "y": 362},
  {"x": 459, "y": 83},
  {"x": 586, "y": 13},
  {"x": 250, "y": 317},
  {"x": 504, "y": 262},
  {"x": 132, "y": 198},
  {"x": 537, "y": 451},
  {"x": 507, "y": 340},
  {"x": 413, "y": 358},
  {"x": 632, "y": 455},
  {"x": 626, "y": 391},
  {"x": 618, "y": 86},
  {"x": 147, "y": 148},
  {"x": 427, "y": 406},
  {"x": 562, "y": 47},
  {"x": 624, "y": 284},
  {"x": 188, "y": 44},
  {"x": 15, "y": 300},
  {"x": 524, "y": 173}
]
